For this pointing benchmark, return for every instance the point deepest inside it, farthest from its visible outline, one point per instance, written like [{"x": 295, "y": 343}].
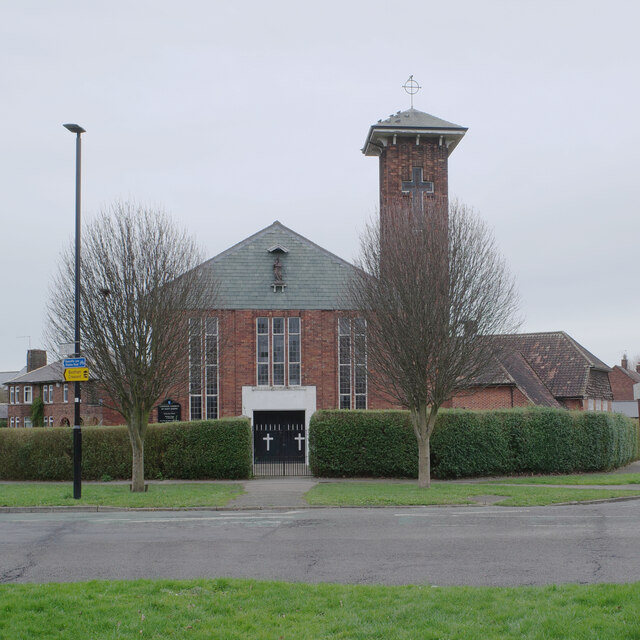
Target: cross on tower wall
[{"x": 403, "y": 161}]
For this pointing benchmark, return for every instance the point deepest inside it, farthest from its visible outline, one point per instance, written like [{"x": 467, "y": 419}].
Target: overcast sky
[{"x": 232, "y": 115}]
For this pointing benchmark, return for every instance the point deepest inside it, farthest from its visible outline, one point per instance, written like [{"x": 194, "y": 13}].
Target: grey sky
[{"x": 230, "y": 116}]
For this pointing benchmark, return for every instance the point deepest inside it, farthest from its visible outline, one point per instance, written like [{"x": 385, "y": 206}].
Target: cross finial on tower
[{"x": 412, "y": 87}]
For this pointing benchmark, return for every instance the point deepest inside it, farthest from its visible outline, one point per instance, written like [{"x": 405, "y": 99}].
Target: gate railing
[{"x": 282, "y": 452}]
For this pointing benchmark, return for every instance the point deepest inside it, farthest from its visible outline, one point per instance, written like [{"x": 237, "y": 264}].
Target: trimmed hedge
[
  {"x": 207, "y": 449},
  {"x": 471, "y": 443}
]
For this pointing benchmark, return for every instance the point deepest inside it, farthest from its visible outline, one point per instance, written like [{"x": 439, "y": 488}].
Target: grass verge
[
  {"x": 610, "y": 479},
  {"x": 118, "y": 495},
  {"x": 383, "y": 493},
  {"x": 234, "y": 609}
]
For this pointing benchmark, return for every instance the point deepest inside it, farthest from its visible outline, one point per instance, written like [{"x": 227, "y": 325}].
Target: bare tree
[
  {"x": 434, "y": 292},
  {"x": 138, "y": 281}
]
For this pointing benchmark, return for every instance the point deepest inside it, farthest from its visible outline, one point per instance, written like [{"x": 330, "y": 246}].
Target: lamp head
[{"x": 74, "y": 128}]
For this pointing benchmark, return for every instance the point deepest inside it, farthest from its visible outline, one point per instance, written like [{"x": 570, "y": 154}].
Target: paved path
[{"x": 273, "y": 493}]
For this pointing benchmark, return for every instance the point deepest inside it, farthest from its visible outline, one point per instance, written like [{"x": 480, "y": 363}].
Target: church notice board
[{"x": 169, "y": 411}]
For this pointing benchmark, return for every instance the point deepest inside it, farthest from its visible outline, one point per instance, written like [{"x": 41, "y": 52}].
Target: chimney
[
  {"x": 36, "y": 358},
  {"x": 625, "y": 363}
]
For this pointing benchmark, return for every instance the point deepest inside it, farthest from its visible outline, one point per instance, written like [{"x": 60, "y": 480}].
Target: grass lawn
[
  {"x": 234, "y": 609},
  {"x": 583, "y": 478},
  {"x": 385, "y": 493},
  {"x": 31, "y": 494}
]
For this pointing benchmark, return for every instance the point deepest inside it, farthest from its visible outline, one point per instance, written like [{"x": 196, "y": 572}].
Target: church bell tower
[{"x": 414, "y": 149}]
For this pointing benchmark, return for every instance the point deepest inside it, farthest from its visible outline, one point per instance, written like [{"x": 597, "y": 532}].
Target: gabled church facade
[{"x": 281, "y": 340}]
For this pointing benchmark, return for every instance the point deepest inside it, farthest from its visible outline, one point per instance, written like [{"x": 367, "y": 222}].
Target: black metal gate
[{"x": 279, "y": 444}]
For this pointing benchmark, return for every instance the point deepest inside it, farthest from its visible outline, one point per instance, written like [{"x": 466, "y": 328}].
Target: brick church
[
  {"x": 288, "y": 340},
  {"x": 281, "y": 342}
]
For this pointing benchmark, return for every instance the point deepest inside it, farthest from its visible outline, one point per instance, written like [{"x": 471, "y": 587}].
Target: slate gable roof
[
  {"x": 315, "y": 278},
  {"x": 53, "y": 372},
  {"x": 562, "y": 365}
]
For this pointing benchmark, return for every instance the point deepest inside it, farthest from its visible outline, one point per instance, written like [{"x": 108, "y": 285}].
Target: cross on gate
[
  {"x": 268, "y": 438},
  {"x": 300, "y": 439},
  {"x": 417, "y": 186}
]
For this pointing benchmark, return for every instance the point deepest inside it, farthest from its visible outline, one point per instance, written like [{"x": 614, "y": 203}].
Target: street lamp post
[{"x": 77, "y": 431}]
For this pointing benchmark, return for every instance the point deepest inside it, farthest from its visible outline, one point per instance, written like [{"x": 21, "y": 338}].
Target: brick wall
[
  {"x": 621, "y": 384},
  {"x": 396, "y": 164},
  {"x": 495, "y": 397},
  {"x": 237, "y": 359}
]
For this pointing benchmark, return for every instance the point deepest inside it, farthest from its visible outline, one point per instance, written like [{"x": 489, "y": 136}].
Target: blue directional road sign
[{"x": 72, "y": 363}]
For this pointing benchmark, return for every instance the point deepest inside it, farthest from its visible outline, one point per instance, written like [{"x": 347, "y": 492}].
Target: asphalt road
[{"x": 440, "y": 546}]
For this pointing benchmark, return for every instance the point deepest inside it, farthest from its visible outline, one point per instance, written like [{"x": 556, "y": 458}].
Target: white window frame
[
  {"x": 28, "y": 394},
  {"x": 12, "y": 422},
  {"x": 348, "y": 332},
  {"x": 211, "y": 334},
  {"x": 27, "y": 423},
  {"x": 12, "y": 395},
  {"x": 260, "y": 363},
  {"x": 194, "y": 340},
  {"x": 50, "y": 394},
  {"x": 17, "y": 398},
  {"x": 65, "y": 392},
  {"x": 289, "y": 361},
  {"x": 17, "y": 422},
  {"x": 286, "y": 362},
  {"x": 590, "y": 404},
  {"x": 45, "y": 394},
  {"x": 283, "y": 362}
]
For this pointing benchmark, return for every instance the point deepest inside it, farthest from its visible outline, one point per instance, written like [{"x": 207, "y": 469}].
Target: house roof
[
  {"x": 53, "y": 372},
  {"x": 244, "y": 274},
  {"x": 632, "y": 375},
  {"x": 563, "y": 365},
  {"x": 5, "y": 376}
]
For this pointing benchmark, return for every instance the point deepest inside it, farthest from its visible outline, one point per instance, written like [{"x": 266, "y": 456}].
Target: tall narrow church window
[
  {"x": 262, "y": 330},
  {"x": 344, "y": 362},
  {"x": 195, "y": 368},
  {"x": 294, "y": 351},
  {"x": 352, "y": 363},
  {"x": 203, "y": 368},
  {"x": 360, "y": 362},
  {"x": 278, "y": 352},
  {"x": 278, "y": 359},
  {"x": 211, "y": 367}
]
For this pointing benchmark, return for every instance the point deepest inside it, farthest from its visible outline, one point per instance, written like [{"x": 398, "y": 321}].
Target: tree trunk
[
  {"x": 419, "y": 421},
  {"x": 137, "y": 431},
  {"x": 424, "y": 464},
  {"x": 423, "y": 428}
]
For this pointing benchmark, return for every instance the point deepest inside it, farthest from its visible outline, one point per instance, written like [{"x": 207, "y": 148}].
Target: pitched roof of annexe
[
  {"x": 243, "y": 274},
  {"x": 562, "y": 365}
]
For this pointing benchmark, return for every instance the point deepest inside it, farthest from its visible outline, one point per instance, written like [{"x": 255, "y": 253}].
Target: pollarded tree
[
  {"x": 434, "y": 293},
  {"x": 138, "y": 281}
]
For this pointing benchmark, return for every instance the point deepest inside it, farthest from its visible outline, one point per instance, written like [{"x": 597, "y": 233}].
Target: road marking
[
  {"x": 558, "y": 516},
  {"x": 463, "y": 513},
  {"x": 103, "y": 518}
]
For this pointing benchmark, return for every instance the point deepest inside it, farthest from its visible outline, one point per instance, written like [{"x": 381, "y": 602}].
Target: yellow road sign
[{"x": 77, "y": 374}]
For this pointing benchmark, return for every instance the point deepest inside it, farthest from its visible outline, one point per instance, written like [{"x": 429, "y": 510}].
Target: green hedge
[
  {"x": 471, "y": 443},
  {"x": 205, "y": 449}
]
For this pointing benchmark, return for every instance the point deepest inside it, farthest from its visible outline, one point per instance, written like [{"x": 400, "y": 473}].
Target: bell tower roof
[{"x": 411, "y": 123}]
